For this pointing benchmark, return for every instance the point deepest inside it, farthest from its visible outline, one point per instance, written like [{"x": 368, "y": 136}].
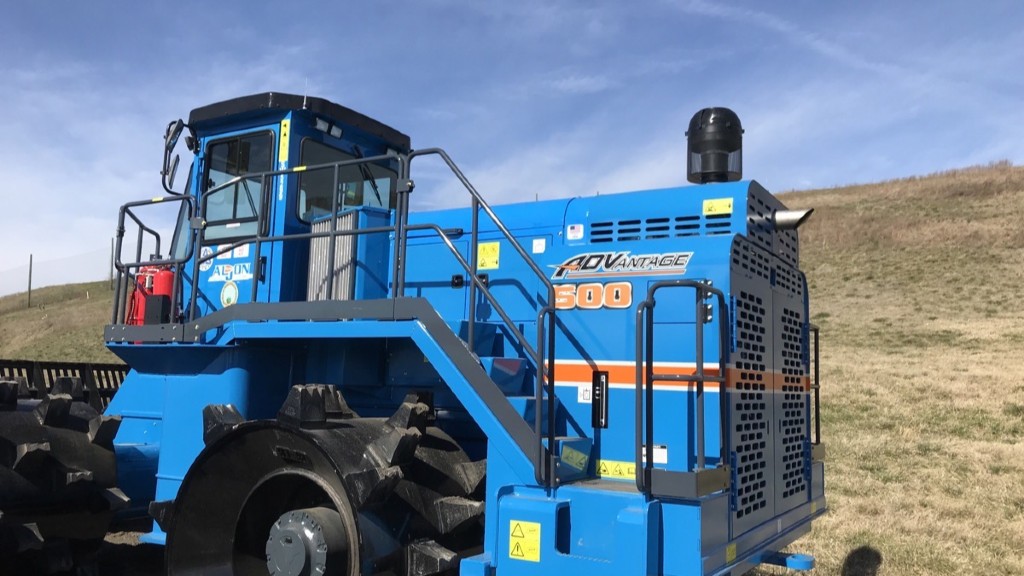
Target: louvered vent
[
  {"x": 664, "y": 227},
  {"x": 344, "y": 261}
]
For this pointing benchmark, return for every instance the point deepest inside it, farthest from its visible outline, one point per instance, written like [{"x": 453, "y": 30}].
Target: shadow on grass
[{"x": 863, "y": 561}]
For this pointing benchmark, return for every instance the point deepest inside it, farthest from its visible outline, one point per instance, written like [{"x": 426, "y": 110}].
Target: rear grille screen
[{"x": 344, "y": 261}]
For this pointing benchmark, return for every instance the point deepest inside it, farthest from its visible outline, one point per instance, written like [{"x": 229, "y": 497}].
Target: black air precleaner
[{"x": 715, "y": 146}]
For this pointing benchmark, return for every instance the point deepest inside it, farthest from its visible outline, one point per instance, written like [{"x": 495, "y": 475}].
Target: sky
[{"x": 533, "y": 99}]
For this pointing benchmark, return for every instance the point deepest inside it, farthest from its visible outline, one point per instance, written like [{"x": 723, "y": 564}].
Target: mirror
[
  {"x": 173, "y": 171},
  {"x": 173, "y": 132}
]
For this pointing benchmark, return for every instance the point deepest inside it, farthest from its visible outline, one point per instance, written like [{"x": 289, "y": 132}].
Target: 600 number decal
[{"x": 593, "y": 296}]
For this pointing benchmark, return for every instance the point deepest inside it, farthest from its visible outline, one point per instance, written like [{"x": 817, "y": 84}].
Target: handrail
[
  {"x": 545, "y": 377},
  {"x": 124, "y": 269},
  {"x": 816, "y": 385},
  {"x": 542, "y": 355},
  {"x": 645, "y": 376},
  {"x": 530, "y": 351}
]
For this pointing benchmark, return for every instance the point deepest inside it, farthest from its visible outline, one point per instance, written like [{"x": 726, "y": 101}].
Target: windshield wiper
[{"x": 365, "y": 173}]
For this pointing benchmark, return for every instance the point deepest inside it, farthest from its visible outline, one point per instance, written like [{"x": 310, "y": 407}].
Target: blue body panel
[{"x": 603, "y": 254}]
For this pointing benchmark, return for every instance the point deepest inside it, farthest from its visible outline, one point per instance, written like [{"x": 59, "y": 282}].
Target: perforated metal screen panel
[
  {"x": 750, "y": 399},
  {"x": 750, "y": 410},
  {"x": 768, "y": 399},
  {"x": 783, "y": 243},
  {"x": 791, "y": 397}
]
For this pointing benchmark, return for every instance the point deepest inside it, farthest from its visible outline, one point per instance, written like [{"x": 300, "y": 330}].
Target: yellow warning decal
[
  {"x": 730, "y": 553},
  {"x": 814, "y": 507},
  {"x": 488, "y": 255},
  {"x": 574, "y": 458},
  {"x": 717, "y": 206},
  {"x": 299, "y": 169},
  {"x": 158, "y": 199},
  {"x": 286, "y": 129},
  {"x": 524, "y": 540},
  {"x": 616, "y": 469}
]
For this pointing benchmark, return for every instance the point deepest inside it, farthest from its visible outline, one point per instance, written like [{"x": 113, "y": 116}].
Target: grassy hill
[
  {"x": 917, "y": 285},
  {"x": 65, "y": 323}
]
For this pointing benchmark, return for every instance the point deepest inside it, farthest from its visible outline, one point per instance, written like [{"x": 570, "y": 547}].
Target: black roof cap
[{"x": 279, "y": 101}]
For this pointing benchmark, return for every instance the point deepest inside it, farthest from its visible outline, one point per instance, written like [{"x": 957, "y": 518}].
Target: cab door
[{"x": 231, "y": 207}]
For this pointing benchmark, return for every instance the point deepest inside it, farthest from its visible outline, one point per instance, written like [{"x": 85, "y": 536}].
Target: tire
[
  {"x": 58, "y": 476},
  {"x": 322, "y": 491}
]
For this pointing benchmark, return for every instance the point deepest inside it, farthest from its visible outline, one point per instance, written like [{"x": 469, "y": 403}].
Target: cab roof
[{"x": 318, "y": 106}]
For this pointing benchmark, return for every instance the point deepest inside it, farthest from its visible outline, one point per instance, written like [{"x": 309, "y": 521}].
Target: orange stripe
[
  {"x": 773, "y": 381},
  {"x": 624, "y": 374}
]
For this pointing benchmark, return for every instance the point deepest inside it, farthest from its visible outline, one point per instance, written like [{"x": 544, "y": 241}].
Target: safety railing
[
  {"x": 701, "y": 480},
  {"x": 127, "y": 271},
  {"x": 541, "y": 355}
]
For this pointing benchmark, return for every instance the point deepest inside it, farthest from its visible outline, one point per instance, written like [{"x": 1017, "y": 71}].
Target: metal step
[
  {"x": 509, "y": 374},
  {"x": 572, "y": 455}
]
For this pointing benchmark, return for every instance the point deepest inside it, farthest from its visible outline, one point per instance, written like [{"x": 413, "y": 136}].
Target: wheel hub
[{"x": 304, "y": 543}]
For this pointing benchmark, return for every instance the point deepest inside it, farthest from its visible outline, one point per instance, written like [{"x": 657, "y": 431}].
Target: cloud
[
  {"x": 813, "y": 41},
  {"x": 581, "y": 84},
  {"x": 531, "y": 98}
]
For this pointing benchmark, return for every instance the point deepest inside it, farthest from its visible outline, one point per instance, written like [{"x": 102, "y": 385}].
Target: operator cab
[{"x": 267, "y": 167}]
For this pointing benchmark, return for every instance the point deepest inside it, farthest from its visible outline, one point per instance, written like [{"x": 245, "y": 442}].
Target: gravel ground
[{"x": 123, "y": 555}]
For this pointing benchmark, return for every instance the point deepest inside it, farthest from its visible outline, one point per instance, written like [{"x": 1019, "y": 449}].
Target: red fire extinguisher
[{"x": 153, "y": 289}]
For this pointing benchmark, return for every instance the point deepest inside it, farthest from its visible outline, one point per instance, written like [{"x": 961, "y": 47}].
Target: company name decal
[{"x": 621, "y": 264}]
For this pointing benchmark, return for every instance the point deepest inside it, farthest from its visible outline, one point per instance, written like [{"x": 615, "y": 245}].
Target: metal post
[
  {"x": 551, "y": 392},
  {"x": 817, "y": 392},
  {"x": 700, "y": 378},
  {"x": 333, "y": 239},
  {"x": 29, "y": 280},
  {"x": 639, "y": 401},
  {"x": 649, "y": 360},
  {"x": 473, "y": 263}
]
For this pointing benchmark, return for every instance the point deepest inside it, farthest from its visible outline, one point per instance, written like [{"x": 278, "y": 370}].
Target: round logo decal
[
  {"x": 228, "y": 294},
  {"x": 206, "y": 252}
]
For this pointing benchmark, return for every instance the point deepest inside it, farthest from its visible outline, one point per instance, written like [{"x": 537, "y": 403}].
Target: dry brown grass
[
  {"x": 65, "y": 323},
  {"x": 917, "y": 285}
]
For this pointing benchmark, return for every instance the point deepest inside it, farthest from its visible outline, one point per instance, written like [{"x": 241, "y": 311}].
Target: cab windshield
[{"x": 358, "y": 185}]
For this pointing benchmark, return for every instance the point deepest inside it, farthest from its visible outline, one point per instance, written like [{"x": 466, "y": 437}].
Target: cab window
[
  {"x": 233, "y": 211},
  {"x": 358, "y": 185}
]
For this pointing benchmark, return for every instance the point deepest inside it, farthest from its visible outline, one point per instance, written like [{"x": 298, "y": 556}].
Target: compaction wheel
[
  {"x": 321, "y": 491},
  {"x": 58, "y": 479}
]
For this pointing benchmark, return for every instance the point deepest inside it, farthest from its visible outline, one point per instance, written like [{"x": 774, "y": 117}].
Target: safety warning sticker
[
  {"x": 730, "y": 553},
  {"x": 717, "y": 206},
  {"x": 616, "y": 469},
  {"x": 524, "y": 540},
  {"x": 488, "y": 256},
  {"x": 574, "y": 458}
]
